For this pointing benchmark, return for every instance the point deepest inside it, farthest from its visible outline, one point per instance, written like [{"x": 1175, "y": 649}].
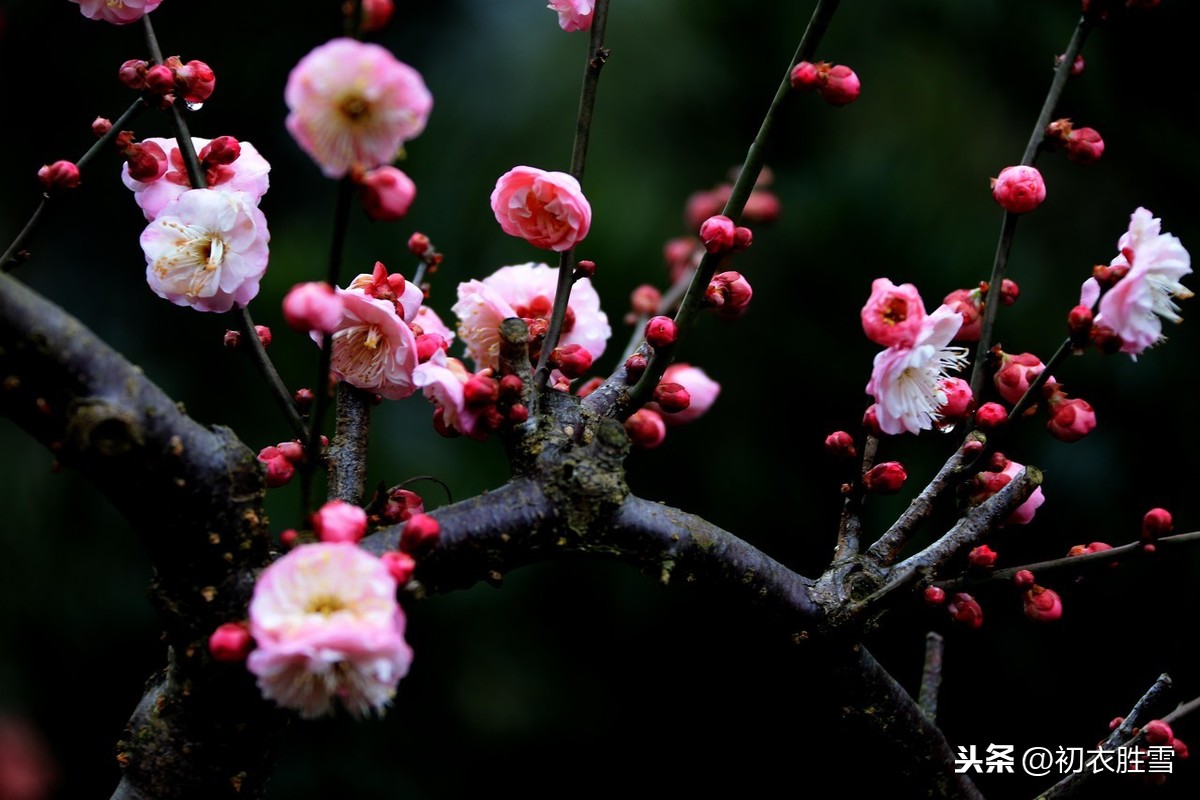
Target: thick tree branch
[{"x": 347, "y": 458}]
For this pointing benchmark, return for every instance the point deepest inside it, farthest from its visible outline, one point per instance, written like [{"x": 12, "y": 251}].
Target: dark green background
[{"x": 580, "y": 678}]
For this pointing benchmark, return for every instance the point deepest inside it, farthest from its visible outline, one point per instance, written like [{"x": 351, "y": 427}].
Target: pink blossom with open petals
[
  {"x": 526, "y": 291},
  {"x": 573, "y": 15},
  {"x": 702, "y": 390},
  {"x": 1135, "y": 307},
  {"x": 246, "y": 174},
  {"x": 207, "y": 250},
  {"x": 352, "y": 103},
  {"x": 893, "y": 314},
  {"x": 118, "y": 12},
  {"x": 328, "y": 627},
  {"x": 373, "y": 347},
  {"x": 442, "y": 380},
  {"x": 546, "y": 209},
  {"x": 906, "y": 382}
]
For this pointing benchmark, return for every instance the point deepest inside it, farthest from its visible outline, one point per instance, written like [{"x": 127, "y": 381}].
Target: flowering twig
[
  {"x": 850, "y": 525},
  {"x": 670, "y": 301},
  {"x": 691, "y": 306},
  {"x": 266, "y": 368},
  {"x": 1035, "y": 386},
  {"x": 931, "y": 675},
  {"x": 885, "y": 551},
  {"x": 1008, "y": 227},
  {"x": 597, "y": 56}
]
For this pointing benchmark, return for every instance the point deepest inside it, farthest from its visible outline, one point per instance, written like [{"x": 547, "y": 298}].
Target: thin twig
[
  {"x": 266, "y": 368},
  {"x": 1035, "y": 386},
  {"x": 931, "y": 675},
  {"x": 850, "y": 526}
]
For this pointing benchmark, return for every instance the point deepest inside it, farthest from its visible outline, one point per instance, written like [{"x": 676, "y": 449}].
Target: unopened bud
[
  {"x": 585, "y": 269},
  {"x": 841, "y": 86},
  {"x": 661, "y": 332},
  {"x": 420, "y": 534},
  {"x": 717, "y": 233},
  {"x": 934, "y": 595},
  {"x": 805, "y": 76},
  {"x": 1157, "y": 732},
  {"x": 418, "y": 244},
  {"x": 160, "y": 79},
  {"x": 375, "y": 14},
  {"x": 133, "y": 74},
  {"x": 1019, "y": 189},
  {"x": 572, "y": 359},
  {"x": 672, "y": 397},
  {"x": 59, "y": 176},
  {"x": 221, "y": 150},
  {"x": 518, "y": 413},
  {"x": 871, "y": 420},
  {"x": 742, "y": 239},
  {"x": 147, "y": 161},
  {"x": 635, "y": 365},
  {"x": 1009, "y": 292},
  {"x": 645, "y": 300},
  {"x": 646, "y": 428},
  {"x": 991, "y": 415},
  {"x": 885, "y": 478},
  {"x": 232, "y": 340},
  {"x": 728, "y": 294},
  {"x": 982, "y": 557},
  {"x": 1079, "y": 324},
  {"x": 101, "y": 126},
  {"x": 481, "y": 390},
  {"x": 303, "y": 398},
  {"x": 1042, "y": 604},
  {"x": 195, "y": 81},
  {"x": 386, "y": 193},
  {"x": 1156, "y": 523},
  {"x": 964, "y": 609},
  {"x": 279, "y": 470},
  {"x": 840, "y": 445},
  {"x": 264, "y": 335},
  {"x": 400, "y": 565},
  {"x": 289, "y": 538},
  {"x": 1023, "y": 578},
  {"x": 339, "y": 521},
  {"x": 1071, "y": 420},
  {"x": 230, "y": 642}
]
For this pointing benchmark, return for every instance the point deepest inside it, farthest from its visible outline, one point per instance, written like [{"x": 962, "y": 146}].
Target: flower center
[
  {"x": 194, "y": 265},
  {"x": 355, "y": 108},
  {"x": 894, "y": 311},
  {"x": 360, "y": 353},
  {"x": 326, "y": 605}
]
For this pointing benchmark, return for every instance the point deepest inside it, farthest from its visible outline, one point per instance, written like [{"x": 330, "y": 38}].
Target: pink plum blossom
[
  {"x": 207, "y": 250},
  {"x": 352, "y": 103},
  {"x": 1132, "y": 308},
  {"x": 573, "y": 15},
  {"x": 906, "y": 381},
  {"x": 386, "y": 193},
  {"x": 327, "y": 625},
  {"x": 893, "y": 314},
  {"x": 373, "y": 347},
  {"x": 313, "y": 306},
  {"x": 1019, "y": 189},
  {"x": 1023, "y": 514},
  {"x": 526, "y": 291},
  {"x": 546, "y": 209},
  {"x": 429, "y": 322},
  {"x": 443, "y": 381},
  {"x": 246, "y": 174},
  {"x": 118, "y": 12},
  {"x": 702, "y": 390},
  {"x": 339, "y": 521}
]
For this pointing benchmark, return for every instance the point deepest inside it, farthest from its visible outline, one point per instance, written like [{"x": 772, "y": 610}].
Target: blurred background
[{"x": 591, "y": 670}]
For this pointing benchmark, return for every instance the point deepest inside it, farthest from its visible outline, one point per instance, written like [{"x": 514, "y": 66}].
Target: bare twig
[{"x": 931, "y": 675}]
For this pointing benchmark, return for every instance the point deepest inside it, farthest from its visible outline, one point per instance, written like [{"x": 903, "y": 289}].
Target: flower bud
[
  {"x": 1009, "y": 291},
  {"x": 400, "y": 565},
  {"x": 805, "y": 76},
  {"x": 959, "y": 404},
  {"x": 969, "y": 304},
  {"x": 1071, "y": 420},
  {"x": 101, "y": 126},
  {"x": 841, "y": 86},
  {"x": 195, "y": 81},
  {"x": 840, "y": 445},
  {"x": 232, "y": 340},
  {"x": 59, "y": 176},
  {"x": 885, "y": 478},
  {"x": 147, "y": 161},
  {"x": 1157, "y": 732},
  {"x": 339, "y": 521},
  {"x": 1181, "y": 749},
  {"x": 742, "y": 239},
  {"x": 1019, "y": 189},
  {"x": 572, "y": 359},
  {"x": 871, "y": 421},
  {"x": 965, "y": 610},
  {"x": 661, "y": 332},
  {"x": 222, "y": 150},
  {"x": 230, "y": 642},
  {"x": 481, "y": 390},
  {"x": 420, "y": 534},
  {"x": 646, "y": 429},
  {"x": 1023, "y": 578},
  {"x": 934, "y": 595},
  {"x": 728, "y": 294},
  {"x": 635, "y": 365},
  {"x": 991, "y": 415},
  {"x": 672, "y": 397},
  {"x": 1084, "y": 145},
  {"x": 418, "y": 244},
  {"x": 1079, "y": 324},
  {"x": 1016, "y": 373},
  {"x": 386, "y": 193},
  {"x": 428, "y": 344},
  {"x": 717, "y": 233},
  {"x": 133, "y": 74},
  {"x": 645, "y": 300},
  {"x": 313, "y": 306},
  {"x": 303, "y": 398},
  {"x": 982, "y": 557},
  {"x": 1156, "y": 523},
  {"x": 160, "y": 79},
  {"x": 279, "y": 470},
  {"x": 586, "y": 268},
  {"x": 264, "y": 335},
  {"x": 376, "y": 14},
  {"x": 1042, "y": 604},
  {"x": 589, "y": 386}
]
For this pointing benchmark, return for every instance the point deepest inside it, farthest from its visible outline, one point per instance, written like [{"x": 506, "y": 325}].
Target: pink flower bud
[
  {"x": 968, "y": 303},
  {"x": 1156, "y": 523},
  {"x": 717, "y": 233},
  {"x": 481, "y": 390},
  {"x": 1023, "y": 578},
  {"x": 339, "y": 521},
  {"x": 892, "y": 314},
  {"x": 222, "y": 150},
  {"x": 279, "y": 470},
  {"x": 264, "y": 335},
  {"x": 1084, "y": 145},
  {"x": 805, "y": 76},
  {"x": 160, "y": 79},
  {"x": 661, "y": 332},
  {"x": 418, "y": 244},
  {"x": 728, "y": 294},
  {"x": 742, "y": 239},
  {"x": 841, "y": 86},
  {"x": 1079, "y": 323},
  {"x": 1016, "y": 373},
  {"x": 133, "y": 74},
  {"x": 420, "y": 534},
  {"x": 586, "y": 268},
  {"x": 196, "y": 81},
  {"x": 572, "y": 359},
  {"x": 303, "y": 398},
  {"x": 885, "y": 478},
  {"x": 965, "y": 610},
  {"x": 1181, "y": 749},
  {"x": 959, "y": 405},
  {"x": 840, "y": 445},
  {"x": 645, "y": 299},
  {"x": 230, "y": 642},
  {"x": 293, "y": 451},
  {"x": 871, "y": 420},
  {"x": 1019, "y": 189},
  {"x": 511, "y": 386},
  {"x": 982, "y": 557},
  {"x": 934, "y": 595},
  {"x": 635, "y": 365},
  {"x": 1009, "y": 291},
  {"x": 313, "y": 306},
  {"x": 672, "y": 397},
  {"x": 991, "y": 415},
  {"x": 59, "y": 176},
  {"x": 376, "y": 14},
  {"x": 101, "y": 126},
  {"x": 400, "y": 565},
  {"x": 646, "y": 429},
  {"x": 1042, "y": 604},
  {"x": 428, "y": 344},
  {"x": 147, "y": 161},
  {"x": 1071, "y": 420},
  {"x": 386, "y": 193},
  {"x": 518, "y": 413},
  {"x": 1157, "y": 732}
]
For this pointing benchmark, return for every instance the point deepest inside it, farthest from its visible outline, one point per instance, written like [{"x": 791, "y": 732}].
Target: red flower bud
[
  {"x": 885, "y": 478},
  {"x": 133, "y": 74},
  {"x": 841, "y": 86},
  {"x": 934, "y": 595},
  {"x": 418, "y": 244},
  {"x": 1071, "y": 420},
  {"x": 661, "y": 332},
  {"x": 982, "y": 557},
  {"x": 480, "y": 390},
  {"x": 1042, "y": 604},
  {"x": 729, "y": 294},
  {"x": 147, "y": 161},
  {"x": 718, "y": 233},
  {"x": 101, "y": 126},
  {"x": 1019, "y": 189},
  {"x": 840, "y": 445},
  {"x": 573, "y": 360},
  {"x": 1156, "y": 523},
  {"x": 645, "y": 299},
  {"x": 991, "y": 415},
  {"x": 420, "y": 533},
  {"x": 1157, "y": 732},
  {"x": 672, "y": 397},
  {"x": 1023, "y": 578},
  {"x": 195, "y": 81},
  {"x": 160, "y": 79},
  {"x": 59, "y": 176},
  {"x": 375, "y": 14},
  {"x": 400, "y": 565},
  {"x": 965, "y": 610},
  {"x": 805, "y": 76},
  {"x": 646, "y": 428},
  {"x": 230, "y": 642},
  {"x": 635, "y": 365},
  {"x": 585, "y": 269}
]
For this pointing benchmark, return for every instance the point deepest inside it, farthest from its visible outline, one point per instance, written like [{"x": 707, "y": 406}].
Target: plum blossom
[
  {"x": 118, "y": 12},
  {"x": 526, "y": 291},
  {"x": 207, "y": 250},
  {"x": 702, "y": 390},
  {"x": 373, "y": 346},
  {"x": 352, "y": 103},
  {"x": 893, "y": 314},
  {"x": 1023, "y": 514},
  {"x": 327, "y": 625},
  {"x": 443, "y": 381},
  {"x": 247, "y": 174},
  {"x": 906, "y": 382},
  {"x": 546, "y": 209},
  {"x": 1132, "y": 308},
  {"x": 573, "y": 15}
]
